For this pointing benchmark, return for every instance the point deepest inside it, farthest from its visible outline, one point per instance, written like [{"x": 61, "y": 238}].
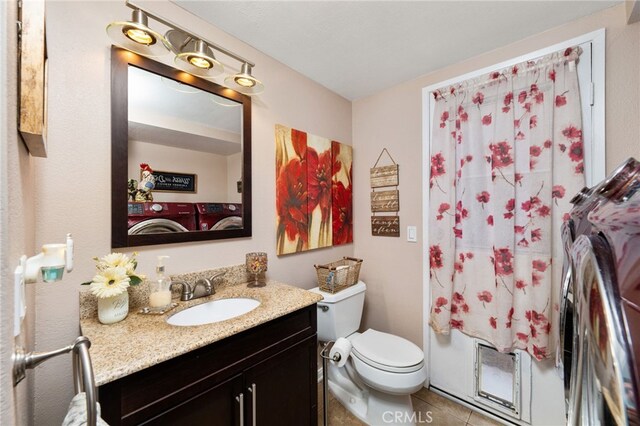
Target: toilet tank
[{"x": 339, "y": 314}]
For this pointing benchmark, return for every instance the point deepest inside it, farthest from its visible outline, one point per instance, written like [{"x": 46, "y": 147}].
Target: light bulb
[
  {"x": 199, "y": 62},
  {"x": 139, "y": 36},
  {"x": 245, "y": 82}
]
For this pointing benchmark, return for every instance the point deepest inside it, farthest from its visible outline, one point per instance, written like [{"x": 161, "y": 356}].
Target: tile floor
[{"x": 443, "y": 411}]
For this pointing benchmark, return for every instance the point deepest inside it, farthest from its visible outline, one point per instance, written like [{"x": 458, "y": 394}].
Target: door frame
[{"x": 597, "y": 152}]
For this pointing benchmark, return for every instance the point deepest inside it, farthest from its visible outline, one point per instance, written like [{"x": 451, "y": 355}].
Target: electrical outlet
[{"x": 412, "y": 234}]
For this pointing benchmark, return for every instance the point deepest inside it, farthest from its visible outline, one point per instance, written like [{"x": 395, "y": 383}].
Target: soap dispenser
[{"x": 159, "y": 291}]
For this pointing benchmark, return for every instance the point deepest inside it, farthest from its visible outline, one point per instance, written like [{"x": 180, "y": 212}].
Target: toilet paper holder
[
  {"x": 325, "y": 379},
  {"x": 326, "y": 350}
]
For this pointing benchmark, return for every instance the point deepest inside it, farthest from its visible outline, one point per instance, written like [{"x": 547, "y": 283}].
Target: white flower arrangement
[{"x": 115, "y": 273}]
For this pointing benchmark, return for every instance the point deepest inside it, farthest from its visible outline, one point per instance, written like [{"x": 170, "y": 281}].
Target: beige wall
[
  {"x": 17, "y": 219},
  {"x": 211, "y": 170},
  {"x": 73, "y": 184},
  {"x": 393, "y": 119},
  {"x": 234, "y": 174}
]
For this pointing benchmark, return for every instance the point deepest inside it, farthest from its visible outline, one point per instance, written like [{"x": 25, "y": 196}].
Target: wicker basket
[{"x": 338, "y": 275}]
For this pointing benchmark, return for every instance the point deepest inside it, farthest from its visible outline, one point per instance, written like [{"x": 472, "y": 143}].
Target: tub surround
[{"x": 142, "y": 341}]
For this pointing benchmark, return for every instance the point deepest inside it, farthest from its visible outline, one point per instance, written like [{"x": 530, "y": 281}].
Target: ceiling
[{"x": 356, "y": 48}]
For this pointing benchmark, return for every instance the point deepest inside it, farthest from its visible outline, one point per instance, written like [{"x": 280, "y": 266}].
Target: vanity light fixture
[
  {"x": 201, "y": 58},
  {"x": 135, "y": 35},
  {"x": 244, "y": 82},
  {"x": 193, "y": 54}
]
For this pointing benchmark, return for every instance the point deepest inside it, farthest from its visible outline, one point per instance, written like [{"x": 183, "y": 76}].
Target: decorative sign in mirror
[{"x": 181, "y": 156}]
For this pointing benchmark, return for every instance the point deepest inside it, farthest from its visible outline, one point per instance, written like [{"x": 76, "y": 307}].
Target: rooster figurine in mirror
[{"x": 142, "y": 191}]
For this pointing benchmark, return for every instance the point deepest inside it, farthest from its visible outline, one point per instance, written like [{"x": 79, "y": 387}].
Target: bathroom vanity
[{"x": 258, "y": 368}]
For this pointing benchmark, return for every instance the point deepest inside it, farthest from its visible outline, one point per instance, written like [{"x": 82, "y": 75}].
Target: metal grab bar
[
  {"x": 83, "y": 378},
  {"x": 82, "y": 371}
]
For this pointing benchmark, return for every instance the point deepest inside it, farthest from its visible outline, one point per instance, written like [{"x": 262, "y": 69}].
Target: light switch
[{"x": 412, "y": 234}]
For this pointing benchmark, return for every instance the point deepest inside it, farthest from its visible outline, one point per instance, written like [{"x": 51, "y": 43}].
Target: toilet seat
[
  {"x": 390, "y": 382},
  {"x": 388, "y": 363},
  {"x": 387, "y": 352}
]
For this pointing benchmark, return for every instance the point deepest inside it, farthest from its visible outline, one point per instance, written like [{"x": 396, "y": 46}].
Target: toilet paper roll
[{"x": 342, "y": 347}]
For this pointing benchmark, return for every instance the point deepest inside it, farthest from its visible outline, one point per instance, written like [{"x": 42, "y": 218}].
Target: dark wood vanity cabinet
[
  {"x": 266, "y": 375},
  {"x": 216, "y": 405},
  {"x": 280, "y": 386}
]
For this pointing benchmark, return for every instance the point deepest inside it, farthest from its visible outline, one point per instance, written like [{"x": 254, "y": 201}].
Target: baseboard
[{"x": 481, "y": 410}]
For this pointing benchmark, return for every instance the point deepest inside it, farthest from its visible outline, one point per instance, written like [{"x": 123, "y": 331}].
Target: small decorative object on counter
[
  {"x": 149, "y": 311},
  {"x": 159, "y": 289},
  {"x": 115, "y": 273},
  {"x": 113, "y": 309},
  {"x": 336, "y": 276},
  {"x": 257, "y": 266}
]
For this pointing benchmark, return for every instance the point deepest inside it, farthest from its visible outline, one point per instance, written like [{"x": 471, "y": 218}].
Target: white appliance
[
  {"x": 602, "y": 328},
  {"x": 382, "y": 370}
]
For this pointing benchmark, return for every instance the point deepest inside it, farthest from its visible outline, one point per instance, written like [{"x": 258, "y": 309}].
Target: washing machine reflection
[
  {"x": 160, "y": 217},
  {"x": 219, "y": 216}
]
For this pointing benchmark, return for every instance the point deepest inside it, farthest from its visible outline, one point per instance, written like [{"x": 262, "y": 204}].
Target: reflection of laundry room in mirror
[{"x": 191, "y": 143}]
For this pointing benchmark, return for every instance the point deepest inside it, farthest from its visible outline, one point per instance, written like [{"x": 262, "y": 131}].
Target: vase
[
  {"x": 113, "y": 309},
  {"x": 256, "y": 266}
]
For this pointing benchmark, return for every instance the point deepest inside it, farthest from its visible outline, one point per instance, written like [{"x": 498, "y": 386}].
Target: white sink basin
[{"x": 214, "y": 311}]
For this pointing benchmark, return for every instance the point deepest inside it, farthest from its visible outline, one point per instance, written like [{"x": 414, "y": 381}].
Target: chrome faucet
[
  {"x": 189, "y": 292},
  {"x": 207, "y": 287},
  {"x": 185, "y": 293}
]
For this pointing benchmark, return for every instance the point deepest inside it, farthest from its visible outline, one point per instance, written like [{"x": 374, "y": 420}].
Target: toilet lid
[{"x": 386, "y": 349}]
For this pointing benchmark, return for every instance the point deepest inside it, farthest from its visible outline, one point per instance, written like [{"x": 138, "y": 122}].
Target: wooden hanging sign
[
  {"x": 385, "y": 201},
  {"x": 385, "y": 226},
  {"x": 384, "y": 176}
]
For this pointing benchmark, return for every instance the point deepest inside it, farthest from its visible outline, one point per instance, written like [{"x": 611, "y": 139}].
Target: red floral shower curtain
[{"x": 506, "y": 155}]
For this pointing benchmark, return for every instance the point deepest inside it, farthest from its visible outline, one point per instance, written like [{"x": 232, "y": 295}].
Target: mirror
[{"x": 181, "y": 156}]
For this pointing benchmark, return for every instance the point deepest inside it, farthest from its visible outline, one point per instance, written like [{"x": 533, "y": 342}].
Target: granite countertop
[{"x": 141, "y": 341}]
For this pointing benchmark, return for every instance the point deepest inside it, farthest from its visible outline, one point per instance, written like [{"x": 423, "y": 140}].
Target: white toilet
[{"x": 382, "y": 371}]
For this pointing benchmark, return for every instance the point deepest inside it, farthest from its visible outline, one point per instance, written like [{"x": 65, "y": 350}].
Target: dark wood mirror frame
[{"x": 121, "y": 59}]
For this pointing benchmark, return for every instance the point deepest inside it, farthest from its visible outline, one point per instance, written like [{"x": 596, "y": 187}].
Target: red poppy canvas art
[
  {"x": 319, "y": 178},
  {"x": 342, "y": 199},
  {"x": 313, "y": 192},
  {"x": 291, "y": 191}
]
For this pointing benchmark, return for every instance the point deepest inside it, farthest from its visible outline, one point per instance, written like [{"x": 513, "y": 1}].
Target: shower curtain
[{"x": 506, "y": 157}]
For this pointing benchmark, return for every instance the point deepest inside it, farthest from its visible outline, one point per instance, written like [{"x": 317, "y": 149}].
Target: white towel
[{"x": 77, "y": 414}]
